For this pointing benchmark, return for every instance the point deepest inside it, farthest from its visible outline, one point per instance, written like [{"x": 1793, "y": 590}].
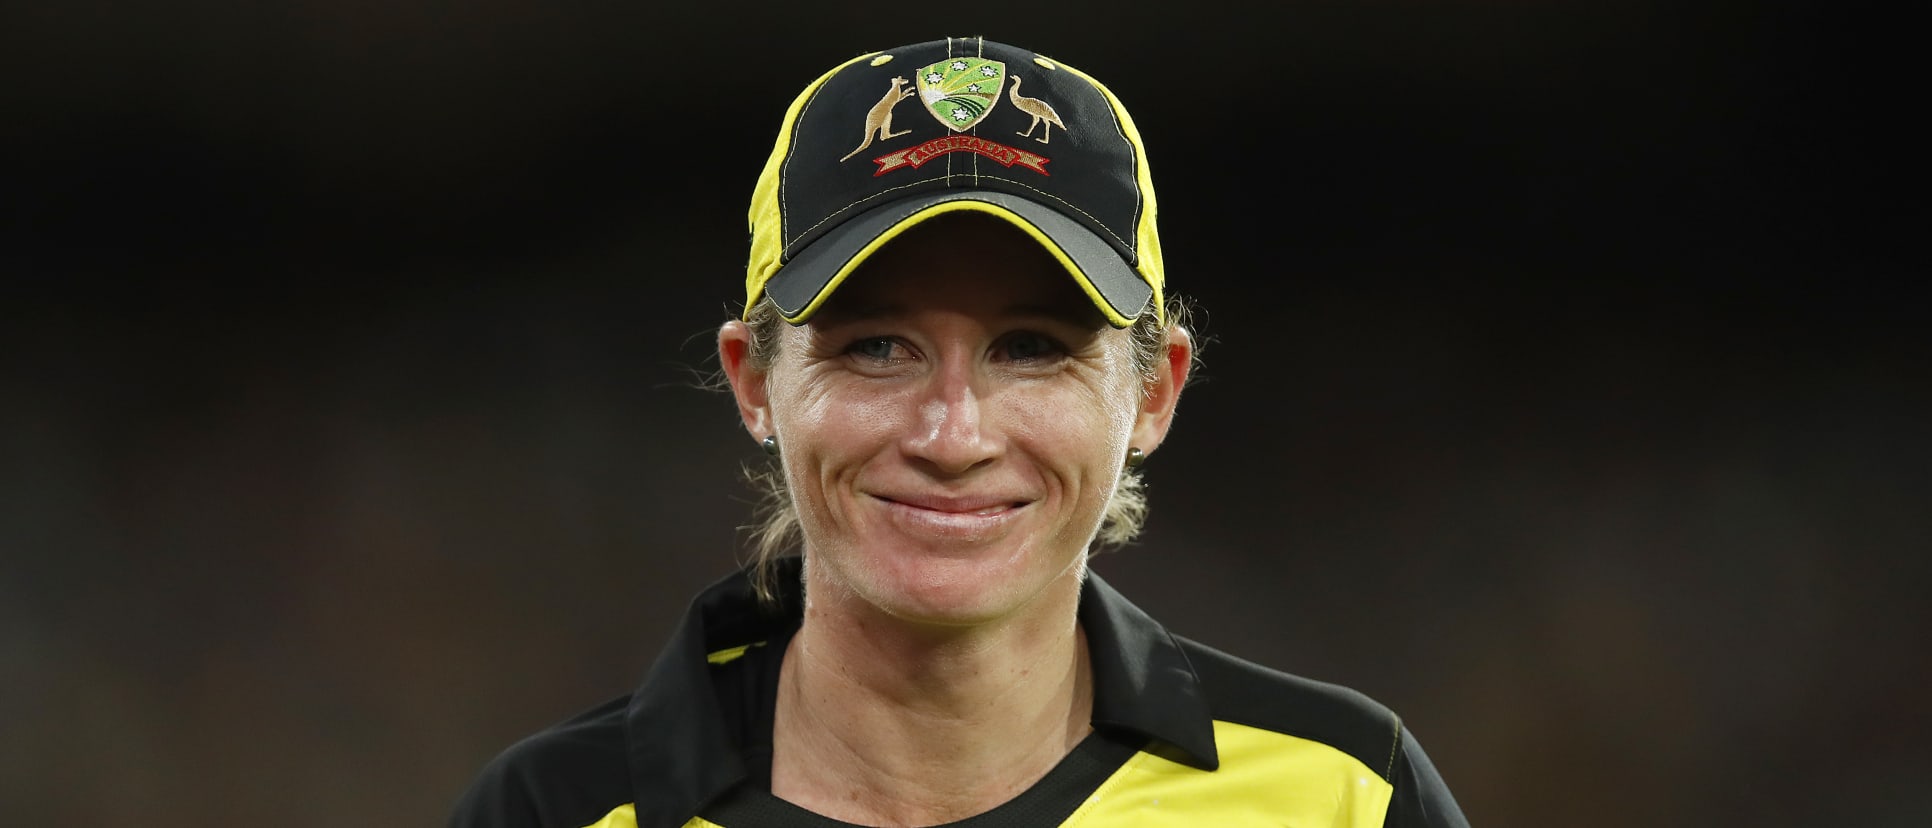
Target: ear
[
  {"x": 1159, "y": 397},
  {"x": 748, "y": 384}
]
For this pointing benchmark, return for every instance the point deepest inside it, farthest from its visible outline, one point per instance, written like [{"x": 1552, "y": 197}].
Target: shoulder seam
[
  {"x": 1243, "y": 692},
  {"x": 1395, "y": 744}
]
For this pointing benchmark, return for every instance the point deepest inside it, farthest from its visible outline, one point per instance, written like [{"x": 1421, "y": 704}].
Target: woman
[{"x": 956, "y": 358}]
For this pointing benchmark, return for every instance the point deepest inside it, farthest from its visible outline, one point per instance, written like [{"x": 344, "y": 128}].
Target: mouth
[
  {"x": 961, "y": 517},
  {"x": 969, "y": 506}
]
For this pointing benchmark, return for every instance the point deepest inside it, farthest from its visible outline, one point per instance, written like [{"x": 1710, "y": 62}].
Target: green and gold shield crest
[{"x": 960, "y": 91}]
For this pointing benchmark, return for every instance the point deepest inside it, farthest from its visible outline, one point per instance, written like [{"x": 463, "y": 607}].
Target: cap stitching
[
  {"x": 979, "y": 51},
  {"x": 1140, "y": 157},
  {"x": 973, "y": 169},
  {"x": 785, "y": 174},
  {"x": 1074, "y": 207},
  {"x": 949, "y": 159},
  {"x": 835, "y": 213},
  {"x": 946, "y": 180},
  {"x": 1103, "y": 225},
  {"x": 1139, "y": 202}
]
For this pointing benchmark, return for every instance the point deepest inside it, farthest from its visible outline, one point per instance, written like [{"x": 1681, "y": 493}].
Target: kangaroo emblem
[
  {"x": 878, "y": 121},
  {"x": 1039, "y": 109}
]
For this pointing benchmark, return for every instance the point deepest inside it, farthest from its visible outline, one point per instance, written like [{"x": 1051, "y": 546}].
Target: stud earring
[
  {"x": 1135, "y": 457},
  {"x": 769, "y": 444}
]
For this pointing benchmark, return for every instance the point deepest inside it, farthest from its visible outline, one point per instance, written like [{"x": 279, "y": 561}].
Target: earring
[
  {"x": 1135, "y": 457},
  {"x": 769, "y": 444}
]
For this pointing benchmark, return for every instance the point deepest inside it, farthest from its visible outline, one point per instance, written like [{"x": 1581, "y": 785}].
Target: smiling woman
[
  {"x": 953, "y": 428},
  {"x": 956, "y": 360}
]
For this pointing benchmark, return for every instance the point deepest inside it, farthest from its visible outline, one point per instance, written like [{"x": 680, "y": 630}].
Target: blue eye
[{"x": 876, "y": 347}]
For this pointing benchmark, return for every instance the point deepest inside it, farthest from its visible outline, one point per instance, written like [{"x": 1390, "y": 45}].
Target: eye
[
  {"x": 875, "y": 348},
  {"x": 1027, "y": 346}
]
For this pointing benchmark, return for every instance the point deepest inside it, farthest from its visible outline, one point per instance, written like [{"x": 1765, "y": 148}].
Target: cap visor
[{"x": 804, "y": 283}]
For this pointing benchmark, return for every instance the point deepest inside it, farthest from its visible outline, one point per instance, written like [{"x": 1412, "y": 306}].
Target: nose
[{"x": 951, "y": 431}]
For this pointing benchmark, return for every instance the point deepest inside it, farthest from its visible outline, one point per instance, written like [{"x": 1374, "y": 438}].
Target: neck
[{"x": 883, "y": 723}]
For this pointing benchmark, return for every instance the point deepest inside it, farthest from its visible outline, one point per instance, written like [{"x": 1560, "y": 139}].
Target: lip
[
  {"x": 951, "y": 516},
  {"x": 953, "y": 504}
]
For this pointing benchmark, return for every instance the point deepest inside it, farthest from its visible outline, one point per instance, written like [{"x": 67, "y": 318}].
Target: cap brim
[{"x": 804, "y": 283}]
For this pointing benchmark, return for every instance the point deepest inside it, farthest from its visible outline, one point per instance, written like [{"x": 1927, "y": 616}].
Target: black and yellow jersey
[{"x": 1183, "y": 735}]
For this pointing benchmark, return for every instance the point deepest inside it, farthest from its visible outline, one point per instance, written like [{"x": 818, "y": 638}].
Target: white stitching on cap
[
  {"x": 1138, "y": 162},
  {"x": 834, "y": 214},
  {"x": 948, "y": 177},
  {"x": 1070, "y": 205},
  {"x": 974, "y": 131},
  {"x": 785, "y": 172},
  {"x": 978, "y": 52}
]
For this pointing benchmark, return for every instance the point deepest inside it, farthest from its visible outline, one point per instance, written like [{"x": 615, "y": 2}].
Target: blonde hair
[{"x": 775, "y": 531}]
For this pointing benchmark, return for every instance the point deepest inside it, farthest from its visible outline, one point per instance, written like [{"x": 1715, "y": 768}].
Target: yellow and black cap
[{"x": 889, "y": 139}]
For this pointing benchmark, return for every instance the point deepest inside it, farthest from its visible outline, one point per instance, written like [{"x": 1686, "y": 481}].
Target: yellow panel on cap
[
  {"x": 766, "y": 215},
  {"x": 1147, "y": 239}
]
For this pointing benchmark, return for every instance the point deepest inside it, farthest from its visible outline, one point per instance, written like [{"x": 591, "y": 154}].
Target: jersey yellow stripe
[
  {"x": 1265, "y": 778},
  {"x": 622, "y": 816},
  {"x": 730, "y": 654},
  {"x": 625, "y": 816}
]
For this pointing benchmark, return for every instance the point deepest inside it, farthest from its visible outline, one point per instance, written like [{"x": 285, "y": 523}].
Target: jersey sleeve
[
  {"x": 567, "y": 776},
  {"x": 500, "y": 797},
  {"x": 1421, "y": 799}
]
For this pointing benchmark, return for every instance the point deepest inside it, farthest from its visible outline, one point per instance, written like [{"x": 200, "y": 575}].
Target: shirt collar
[
  {"x": 1142, "y": 680},
  {"x": 680, "y": 746}
]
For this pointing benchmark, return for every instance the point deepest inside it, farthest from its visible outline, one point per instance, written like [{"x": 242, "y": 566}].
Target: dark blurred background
[{"x": 1566, "y": 388}]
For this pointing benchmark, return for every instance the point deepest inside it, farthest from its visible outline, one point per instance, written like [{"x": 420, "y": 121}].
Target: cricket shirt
[{"x": 1183, "y": 735}]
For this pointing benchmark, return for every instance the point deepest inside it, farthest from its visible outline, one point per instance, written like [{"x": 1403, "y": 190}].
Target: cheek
[
  {"x": 1118, "y": 398},
  {"x": 827, "y": 431},
  {"x": 1079, "y": 429},
  {"x": 813, "y": 413}
]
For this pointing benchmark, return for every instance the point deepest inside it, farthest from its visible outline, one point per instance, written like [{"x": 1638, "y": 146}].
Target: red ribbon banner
[{"x": 919, "y": 155}]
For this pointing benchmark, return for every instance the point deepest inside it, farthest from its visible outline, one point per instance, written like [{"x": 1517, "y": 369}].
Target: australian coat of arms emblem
[
  {"x": 957, "y": 92},
  {"x": 960, "y": 91}
]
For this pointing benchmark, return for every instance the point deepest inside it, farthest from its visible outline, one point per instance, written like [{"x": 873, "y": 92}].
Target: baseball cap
[{"x": 890, "y": 139}]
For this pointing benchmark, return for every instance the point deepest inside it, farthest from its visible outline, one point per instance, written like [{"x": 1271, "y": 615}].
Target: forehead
[{"x": 964, "y": 261}]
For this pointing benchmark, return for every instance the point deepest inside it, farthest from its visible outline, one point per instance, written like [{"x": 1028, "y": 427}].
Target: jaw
[{"x": 941, "y": 570}]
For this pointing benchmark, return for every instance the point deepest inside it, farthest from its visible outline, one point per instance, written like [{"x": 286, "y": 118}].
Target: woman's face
[{"x": 952, "y": 423}]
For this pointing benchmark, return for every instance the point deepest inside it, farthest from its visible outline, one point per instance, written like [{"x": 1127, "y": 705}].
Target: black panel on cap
[
  {"x": 801, "y": 280},
  {"x": 1090, "y": 175}
]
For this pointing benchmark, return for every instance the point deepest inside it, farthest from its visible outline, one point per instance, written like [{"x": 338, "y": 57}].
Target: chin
[{"x": 946, "y": 588}]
